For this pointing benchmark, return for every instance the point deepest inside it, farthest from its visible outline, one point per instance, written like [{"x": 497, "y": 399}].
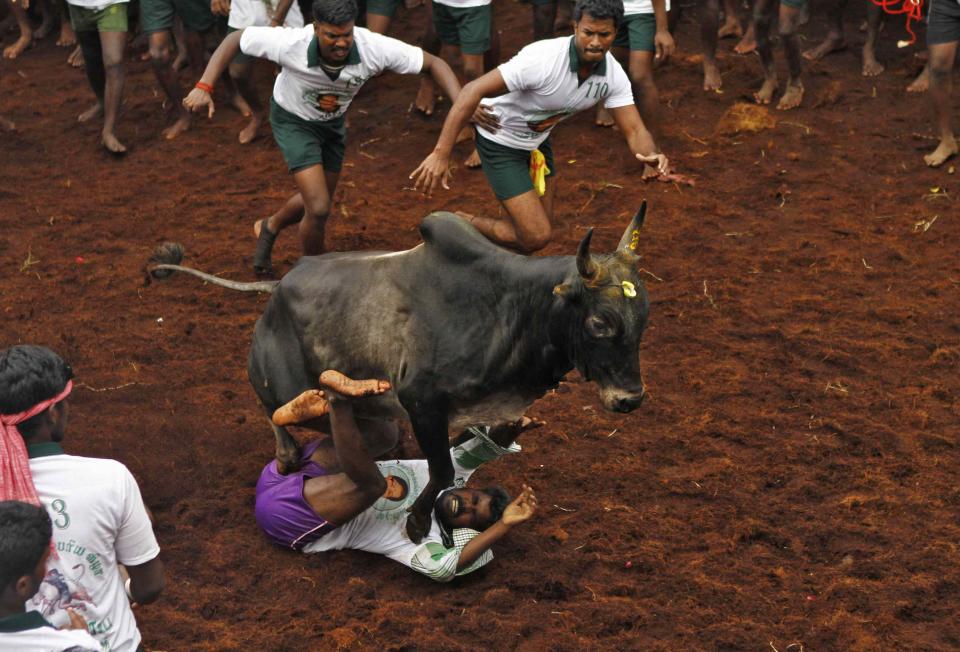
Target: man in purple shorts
[{"x": 342, "y": 499}]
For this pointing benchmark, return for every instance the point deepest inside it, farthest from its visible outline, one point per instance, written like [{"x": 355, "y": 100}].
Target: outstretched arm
[
  {"x": 224, "y": 54},
  {"x": 639, "y": 140},
  {"x": 436, "y": 167},
  {"x": 521, "y": 509}
]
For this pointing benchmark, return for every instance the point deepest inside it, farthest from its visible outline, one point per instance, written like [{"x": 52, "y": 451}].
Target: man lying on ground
[
  {"x": 24, "y": 550},
  {"x": 342, "y": 499}
]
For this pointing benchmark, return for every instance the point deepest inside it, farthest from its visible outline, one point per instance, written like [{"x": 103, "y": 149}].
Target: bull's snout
[{"x": 618, "y": 400}]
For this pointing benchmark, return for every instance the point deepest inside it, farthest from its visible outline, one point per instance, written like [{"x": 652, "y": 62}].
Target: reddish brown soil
[{"x": 790, "y": 484}]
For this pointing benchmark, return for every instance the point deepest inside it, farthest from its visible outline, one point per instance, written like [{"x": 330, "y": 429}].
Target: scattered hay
[{"x": 744, "y": 118}]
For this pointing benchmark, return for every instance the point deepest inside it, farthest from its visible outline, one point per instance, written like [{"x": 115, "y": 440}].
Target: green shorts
[
  {"x": 636, "y": 33},
  {"x": 383, "y": 7},
  {"x": 305, "y": 143},
  {"x": 157, "y": 15},
  {"x": 112, "y": 18},
  {"x": 508, "y": 169},
  {"x": 468, "y": 27},
  {"x": 794, "y": 4}
]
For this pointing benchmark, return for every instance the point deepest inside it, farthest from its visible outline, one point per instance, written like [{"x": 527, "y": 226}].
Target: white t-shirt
[
  {"x": 30, "y": 632},
  {"x": 99, "y": 520},
  {"x": 632, "y": 7},
  {"x": 303, "y": 82},
  {"x": 463, "y": 4},
  {"x": 381, "y": 529},
  {"x": 544, "y": 89},
  {"x": 95, "y": 4},
  {"x": 247, "y": 13}
]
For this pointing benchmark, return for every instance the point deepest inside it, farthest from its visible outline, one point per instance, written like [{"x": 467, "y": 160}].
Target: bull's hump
[{"x": 455, "y": 239}]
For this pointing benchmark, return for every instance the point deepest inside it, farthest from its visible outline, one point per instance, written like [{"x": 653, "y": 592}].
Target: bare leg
[
  {"x": 67, "y": 36},
  {"x": 528, "y": 228},
  {"x": 378, "y": 23},
  {"x": 161, "y": 56},
  {"x": 748, "y": 43},
  {"x": 48, "y": 19},
  {"x": 787, "y": 23},
  {"x": 872, "y": 67},
  {"x": 544, "y": 16},
  {"x": 317, "y": 187},
  {"x": 93, "y": 66},
  {"x": 710, "y": 16},
  {"x": 564, "y": 19},
  {"x": 835, "y": 40},
  {"x": 762, "y": 18},
  {"x": 182, "y": 59},
  {"x": 922, "y": 82},
  {"x": 731, "y": 24},
  {"x": 26, "y": 32},
  {"x": 472, "y": 69},
  {"x": 242, "y": 75},
  {"x": 113, "y": 44},
  {"x": 942, "y": 56},
  {"x": 426, "y": 99},
  {"x": 290, "y": 213}
]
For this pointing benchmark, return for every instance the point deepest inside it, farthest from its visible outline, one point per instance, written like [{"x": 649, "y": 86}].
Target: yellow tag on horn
[
  {"x": 539, "y": 171},
  {"x": 629, "y": 289}
]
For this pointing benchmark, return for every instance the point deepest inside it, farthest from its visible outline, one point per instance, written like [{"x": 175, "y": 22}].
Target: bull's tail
[{"x": 166, "y": 260}]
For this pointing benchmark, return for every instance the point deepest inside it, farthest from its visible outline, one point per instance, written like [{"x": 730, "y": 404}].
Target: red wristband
[{"x": 205, "y": 87}]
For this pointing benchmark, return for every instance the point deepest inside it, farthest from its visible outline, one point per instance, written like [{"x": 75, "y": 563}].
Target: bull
[{"x": 466, "y": 332}]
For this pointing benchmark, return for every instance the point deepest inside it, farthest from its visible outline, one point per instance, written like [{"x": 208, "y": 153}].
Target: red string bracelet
[{"x": 205, "y": 87}]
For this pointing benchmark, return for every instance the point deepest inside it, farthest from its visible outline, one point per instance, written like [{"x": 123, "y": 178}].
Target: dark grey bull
[{"x": 466, "y": 332}]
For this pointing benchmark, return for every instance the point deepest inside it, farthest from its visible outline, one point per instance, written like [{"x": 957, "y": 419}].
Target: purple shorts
[{"x": 281, "y": 510}]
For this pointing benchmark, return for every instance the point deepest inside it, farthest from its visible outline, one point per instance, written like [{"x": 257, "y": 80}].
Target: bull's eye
[{"x": 599, "y": 327}]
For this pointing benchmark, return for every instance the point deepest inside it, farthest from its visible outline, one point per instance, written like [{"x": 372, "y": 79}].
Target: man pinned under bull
[{"x": 465, "y": 332}]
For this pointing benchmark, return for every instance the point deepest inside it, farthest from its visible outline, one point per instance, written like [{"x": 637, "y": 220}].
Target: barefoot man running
[{"x": 544, "y": 83}]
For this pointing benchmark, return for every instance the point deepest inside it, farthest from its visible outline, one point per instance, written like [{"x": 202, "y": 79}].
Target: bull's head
[{"x": 605, "y": 304}]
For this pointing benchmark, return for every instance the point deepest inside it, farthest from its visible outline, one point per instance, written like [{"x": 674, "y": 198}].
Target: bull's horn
[
  {"x": 631, "y": 237},
  {"x": 585, "y": 265}
]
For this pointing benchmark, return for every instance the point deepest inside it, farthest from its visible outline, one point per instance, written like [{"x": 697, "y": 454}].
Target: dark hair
[
  {"x": 499, "y": 499},
  {"x": 335, "y": 12},
  {"x": 28, "y": 375},
  {"x": 25, "y": 532},
  {"x": 599, "y": 10}
]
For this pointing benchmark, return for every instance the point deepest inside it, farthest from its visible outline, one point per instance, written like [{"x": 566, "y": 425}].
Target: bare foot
[
  {"x": 111, "y": 144},
  {"x": 309, "y": 405},
  {"x": 747, "y": 44},
  {"x": 603, "y": 118},
  {"x": 473, "y": 161},
  {"x": 67, "y": 37},
  {"x": 765, "y": 94},
  {"x": 181, "y": 61},
  {"x": 649, "y": 173},
  {"x": 712, "y": 81},
  {"x": 15, "y": 50},
  {"x": 94, "y": 111},
  {"x": 673, "y": 177},
  {"x": 465, "y": 134},
  {"x": 76, "y": 58},
  {"x": 871, "y": 67},
  {"x": 833, "y": 43},
  {"x": 7, "y": 124},
  {"x": 241, "y": 105},
  {"x": 730, "y": 28},
  {"x": 426, "y": 99},
  {"x": 249, "y": 133},
  {"x": 346, "y": 386},
  {"x": 791, "y": 97},
  {"x": 921, "y": 83},
  {"x": 946, "y": 150},
  {"x": 178, "y": 127}
]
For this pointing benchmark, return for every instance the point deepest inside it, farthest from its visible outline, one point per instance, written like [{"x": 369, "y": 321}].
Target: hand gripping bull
[{"x": 467, "y": 333}]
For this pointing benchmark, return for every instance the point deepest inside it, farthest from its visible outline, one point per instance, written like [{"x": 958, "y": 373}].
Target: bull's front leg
[{"x": 430, "y": 427}]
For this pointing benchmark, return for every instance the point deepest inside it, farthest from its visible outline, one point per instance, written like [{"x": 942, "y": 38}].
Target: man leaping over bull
[
  {"x": 342, "y": 499},
  {"x": 523, "y": 100}
]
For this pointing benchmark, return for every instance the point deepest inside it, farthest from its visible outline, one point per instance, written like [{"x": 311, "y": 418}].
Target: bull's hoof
[{"x": 417, "y": 527}]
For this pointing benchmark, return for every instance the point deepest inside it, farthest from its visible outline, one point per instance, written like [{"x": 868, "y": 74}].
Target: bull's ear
[
  {"x": 564, "y": 290},
  {"x": 630, "y": 241},
  {"x": 586, "y": 265}
]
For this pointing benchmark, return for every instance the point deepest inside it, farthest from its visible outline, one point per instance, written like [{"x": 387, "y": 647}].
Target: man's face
[
  {"x": 593, "y": 38},
  {"x": 466, "y": 508},
  {"x": 335, "y": 41}
]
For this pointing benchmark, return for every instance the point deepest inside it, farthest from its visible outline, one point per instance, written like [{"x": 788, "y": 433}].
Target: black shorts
[{"x": 943, "y": 22}]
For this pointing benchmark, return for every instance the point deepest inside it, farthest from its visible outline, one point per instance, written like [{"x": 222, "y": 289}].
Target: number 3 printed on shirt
[{"x": 60, "y": 509}]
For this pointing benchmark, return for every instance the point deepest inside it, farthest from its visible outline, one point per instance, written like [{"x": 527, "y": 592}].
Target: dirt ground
[{"x": 790, "y": 484}]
